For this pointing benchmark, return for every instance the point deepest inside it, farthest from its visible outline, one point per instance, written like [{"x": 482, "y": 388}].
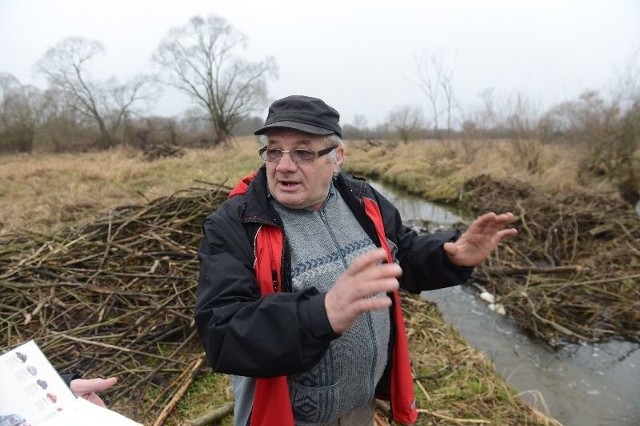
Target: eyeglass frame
[{"x": 317, "y": 154}]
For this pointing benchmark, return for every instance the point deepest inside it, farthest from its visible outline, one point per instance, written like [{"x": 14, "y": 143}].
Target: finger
[
  {"x": 382, "y": 285},
  {"x": 375, "y": 279},
  {"x": 94, "y": 399},
  {"x": 492, "y": 217},
  {"x": 490, "y": 223},
  {"x": 505, "y": 233},
  {"x": 366, "y": 260},
  {"x": 372, "y": 304},
  {"x": 92, "y": 385},
  {"x": 382, "y": 271},
  {"x": 450, "y": 248},
  {"x": 505, "y": 218},
  {"x": 484, "y": 220}
]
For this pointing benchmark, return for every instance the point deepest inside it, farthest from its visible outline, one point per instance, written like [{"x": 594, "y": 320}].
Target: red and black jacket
[{"x": 252, "y": 324}]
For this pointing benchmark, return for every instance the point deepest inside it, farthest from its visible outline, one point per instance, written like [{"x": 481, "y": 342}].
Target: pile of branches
[
  {"x": 571, "y": 274},
  {"x": 113, "y": 297},
  {"x": 163, "y": 150}
]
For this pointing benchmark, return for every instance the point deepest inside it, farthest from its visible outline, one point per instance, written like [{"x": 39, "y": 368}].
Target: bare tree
[
  {"x": 199, "y": 59},
  {"x": 8, "y": 84},
  {"x": 522, "y": 122},
  {"x": 20, "y": 107},
  {"x": 63, "y": 129},
  {"x": 487, "y": 116},
  {"x": 626, "y": 86},
  {"x": 436, "y": 81},
  {"x": 407, "y": 122},
  {"x": 106, "y": 103},
  {"x": 357, "y": 129}
]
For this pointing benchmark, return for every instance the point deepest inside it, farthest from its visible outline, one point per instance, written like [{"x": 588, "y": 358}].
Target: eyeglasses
[{"x": 274, "y": 155}]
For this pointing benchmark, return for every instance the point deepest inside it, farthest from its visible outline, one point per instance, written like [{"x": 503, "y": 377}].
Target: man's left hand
[{"x": 480, "y": 239}]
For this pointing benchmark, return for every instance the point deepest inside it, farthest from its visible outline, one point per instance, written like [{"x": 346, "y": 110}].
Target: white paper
[
  {"x": 32, "y": 393},
  {"x": 82, "y": 412}
]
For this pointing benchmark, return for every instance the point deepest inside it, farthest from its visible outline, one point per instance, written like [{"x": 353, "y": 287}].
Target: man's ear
[{"x": 340, "y": 151}]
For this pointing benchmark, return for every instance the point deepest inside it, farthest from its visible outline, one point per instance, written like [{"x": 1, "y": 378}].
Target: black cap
[{"x": 304, "y": 113}]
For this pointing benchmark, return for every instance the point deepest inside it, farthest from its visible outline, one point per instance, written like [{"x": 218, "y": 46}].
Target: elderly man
[{"x": 299, "y": 277}]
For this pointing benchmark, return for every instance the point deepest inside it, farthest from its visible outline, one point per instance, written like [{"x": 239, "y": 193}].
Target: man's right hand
[{"x": 361, "y": 288}]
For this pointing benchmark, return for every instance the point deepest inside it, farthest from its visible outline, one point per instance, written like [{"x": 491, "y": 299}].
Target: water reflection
[
  {"x": 416, "y": 209},
  {"x": 595, "y": 385}
]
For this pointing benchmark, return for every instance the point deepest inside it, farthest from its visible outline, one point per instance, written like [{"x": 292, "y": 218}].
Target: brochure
[{"x": 32, "y": 393}]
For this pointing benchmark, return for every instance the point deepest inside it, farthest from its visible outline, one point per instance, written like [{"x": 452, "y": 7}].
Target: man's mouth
[{"x": 288, "y": 185}]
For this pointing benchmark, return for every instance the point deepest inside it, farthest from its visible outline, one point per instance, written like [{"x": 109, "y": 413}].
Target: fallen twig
[
  {"x": 215, "y": 415},
  {"x": 191, "y": 371}
]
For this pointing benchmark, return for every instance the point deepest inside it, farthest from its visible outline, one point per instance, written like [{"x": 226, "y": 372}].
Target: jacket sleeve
[
  {"x": 424, "y": 262},
  {"x": 68, "y": 377},
  {"x": 242, "y": 332}
]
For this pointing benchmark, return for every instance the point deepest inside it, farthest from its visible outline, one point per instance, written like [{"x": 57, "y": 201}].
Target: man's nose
[{"x": 286, "y": 162}]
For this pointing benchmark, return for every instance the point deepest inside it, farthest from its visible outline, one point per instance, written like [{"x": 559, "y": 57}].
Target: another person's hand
[
  {"x": 361, "y": 288},
  {"x": 87, "y": 388},
  {"x": 480, "y": 239}
]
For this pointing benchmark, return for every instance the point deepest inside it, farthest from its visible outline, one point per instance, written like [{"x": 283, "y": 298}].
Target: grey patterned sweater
[{"x": 323, "y": 244}]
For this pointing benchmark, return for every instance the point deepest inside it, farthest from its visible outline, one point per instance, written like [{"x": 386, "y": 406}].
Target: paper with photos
[
  {"x": 31, "y": 390},
  {"x": 32, "y": 393}
]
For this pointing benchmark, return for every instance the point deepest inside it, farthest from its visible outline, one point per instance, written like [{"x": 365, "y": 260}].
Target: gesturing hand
[
  {"x": 356, "y": 290},
  {"x": 87, "y": 388},
  {"x": 480, "y": 239}
]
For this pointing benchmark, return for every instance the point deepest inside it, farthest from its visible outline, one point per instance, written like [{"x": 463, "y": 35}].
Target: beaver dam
[
  {"x": 114, "y": 297},
  {"x": 571, "y": 274}
]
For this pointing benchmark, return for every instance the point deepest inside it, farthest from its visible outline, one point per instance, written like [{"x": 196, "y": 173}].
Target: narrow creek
[{"x": 588, "y": 385}]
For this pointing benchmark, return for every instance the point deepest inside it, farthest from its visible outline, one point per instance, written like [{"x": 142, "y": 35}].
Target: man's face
[{"x": 300, "y": 185}]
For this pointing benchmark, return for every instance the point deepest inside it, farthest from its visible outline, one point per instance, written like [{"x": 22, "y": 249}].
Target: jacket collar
[{"x": 257, "y": 206}]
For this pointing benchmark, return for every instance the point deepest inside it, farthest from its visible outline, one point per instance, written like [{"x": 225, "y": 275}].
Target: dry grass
[
  {"x": 45, "y": 190},
  {"x": 436, "y": 170}
]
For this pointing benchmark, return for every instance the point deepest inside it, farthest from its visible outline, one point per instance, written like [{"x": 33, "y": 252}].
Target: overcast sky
[{"x": 358, "y": 55}]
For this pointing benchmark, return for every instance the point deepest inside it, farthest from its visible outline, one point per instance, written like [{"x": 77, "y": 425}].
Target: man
[{"x": 299, "y": 277}]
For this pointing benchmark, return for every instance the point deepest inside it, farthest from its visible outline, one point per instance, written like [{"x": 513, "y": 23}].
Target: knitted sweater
[{"x": 323, "y": 244}]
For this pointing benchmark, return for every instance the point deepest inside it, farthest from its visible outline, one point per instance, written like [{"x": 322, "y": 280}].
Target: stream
[{"x": 586, "y": 385}]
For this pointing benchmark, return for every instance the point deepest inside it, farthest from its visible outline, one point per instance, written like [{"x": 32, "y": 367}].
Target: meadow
[{"x": 46, "y": 190}]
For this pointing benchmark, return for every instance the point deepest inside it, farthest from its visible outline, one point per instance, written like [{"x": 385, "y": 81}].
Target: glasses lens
[
  {"x": 303, "y": 155},
  {"x": 272, "y": 154}
]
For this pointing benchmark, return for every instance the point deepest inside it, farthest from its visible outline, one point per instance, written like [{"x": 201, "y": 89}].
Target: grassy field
[
  {"x": 454, "y": 383},
  {"x": 47, "y": 190},
  {"x": 437, "y": 169}
]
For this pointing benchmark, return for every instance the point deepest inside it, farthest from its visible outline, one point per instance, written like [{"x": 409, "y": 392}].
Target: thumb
[{"x": 450, "y": 248}]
